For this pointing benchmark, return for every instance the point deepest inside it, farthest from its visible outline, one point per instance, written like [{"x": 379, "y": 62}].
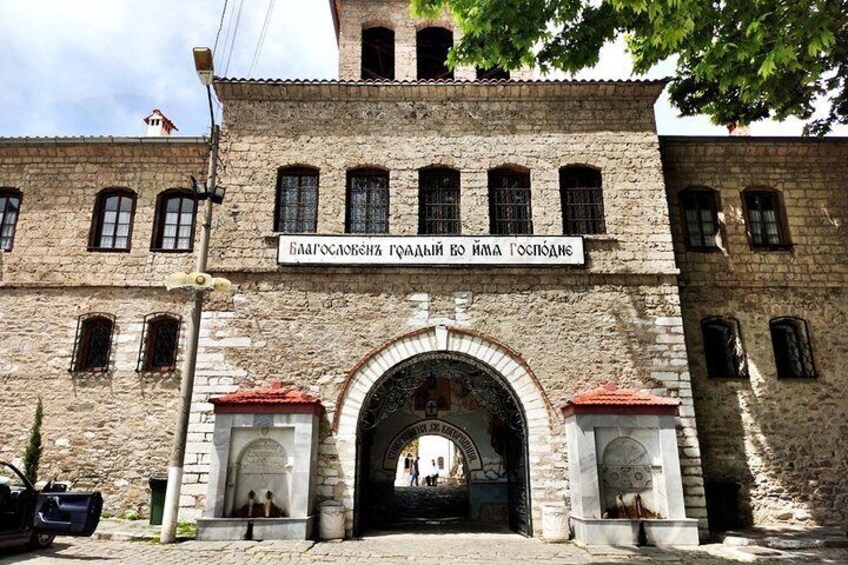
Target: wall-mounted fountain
[
  {"x": 624, "y": 470},
  {"x": 262, "y": 478}
]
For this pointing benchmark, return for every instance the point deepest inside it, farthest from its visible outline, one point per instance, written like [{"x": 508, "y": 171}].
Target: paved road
[{"x": 488, "y": 549}]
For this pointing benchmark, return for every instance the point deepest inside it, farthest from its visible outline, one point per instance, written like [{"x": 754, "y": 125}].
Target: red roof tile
[
  {"x": 611, "y": 397},
  {"x": 266, "y": 397}
]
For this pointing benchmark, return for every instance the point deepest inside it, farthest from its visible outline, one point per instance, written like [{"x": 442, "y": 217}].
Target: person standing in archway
[
  {"x": 413, "y": 482},
  {"x": 433, "y": 474}
]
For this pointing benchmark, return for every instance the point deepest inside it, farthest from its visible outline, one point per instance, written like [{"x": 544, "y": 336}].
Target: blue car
[{"x": 28, "y": 516}]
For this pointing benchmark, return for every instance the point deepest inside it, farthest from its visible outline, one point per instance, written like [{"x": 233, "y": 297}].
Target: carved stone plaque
[
  {"x": 264, "y": 456},
  {"x": 626, "y": 466}
]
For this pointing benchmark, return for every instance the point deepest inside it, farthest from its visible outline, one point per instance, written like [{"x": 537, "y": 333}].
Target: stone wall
[
  {"x": 783, "y": 441},
  {"x": 108, "y": 431},
  {"x": 356, "y": 15},
  {"x": 59, "y": 180},
  {"x": 472, "y": 128}
]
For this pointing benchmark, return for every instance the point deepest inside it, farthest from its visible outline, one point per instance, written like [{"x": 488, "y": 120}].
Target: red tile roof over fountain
[
  {"x": 610, "y": 398},
  {"x": 265, "y": 399}
]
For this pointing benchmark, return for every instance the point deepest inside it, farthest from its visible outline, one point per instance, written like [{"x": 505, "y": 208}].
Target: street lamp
[{"x": 197, "y": 282}]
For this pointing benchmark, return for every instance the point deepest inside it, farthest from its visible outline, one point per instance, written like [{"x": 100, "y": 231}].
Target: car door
[{"x": 68, "y": 513}]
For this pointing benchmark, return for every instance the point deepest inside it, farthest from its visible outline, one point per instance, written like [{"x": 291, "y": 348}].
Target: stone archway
[{"x": 539, "y": 415}]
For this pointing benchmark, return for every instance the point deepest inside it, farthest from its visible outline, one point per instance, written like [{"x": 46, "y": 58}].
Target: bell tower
[{"x": 380, "y": 40}]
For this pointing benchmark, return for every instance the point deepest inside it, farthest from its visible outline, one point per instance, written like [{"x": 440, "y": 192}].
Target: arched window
[
  {"x": 378, "y": 54},
  {"x": 111, "y": 226},
  {"x": 10, "y": 205},
  {"x": 367, "y": 201},
  {"x": 700, "y": 218},
  {"x": 173, "y": 225},
  {"x": 765, "y": 218},
  {"x": 159, "y": 343},
  {"x": 492, "y": 73},
  {"x": 509, "y": 202},
  {"x": 93, "y": 345},
  {"x": 438, "y": 201},
  {"x": 582, "y": 201},
  {"x": 793, "y": 352},
  {"x": 433, "y": 44},
  {"x": 723, "y": 348},
  {"x": 297, "y": 200}
]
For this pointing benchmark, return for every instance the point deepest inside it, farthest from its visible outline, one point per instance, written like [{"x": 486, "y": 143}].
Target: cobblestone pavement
[{"x": 399, "y": 548}]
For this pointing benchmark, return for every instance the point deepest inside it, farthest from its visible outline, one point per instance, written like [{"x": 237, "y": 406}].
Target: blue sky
[{"x": 97, "y": 67}]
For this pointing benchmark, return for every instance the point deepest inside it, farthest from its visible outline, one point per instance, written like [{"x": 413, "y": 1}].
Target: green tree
[
  {"x": 32, "y": 457},
  {"x": 737, "y": 61}
]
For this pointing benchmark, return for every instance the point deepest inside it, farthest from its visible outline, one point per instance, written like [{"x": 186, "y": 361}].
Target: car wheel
[{"x": 40, "y": 540}]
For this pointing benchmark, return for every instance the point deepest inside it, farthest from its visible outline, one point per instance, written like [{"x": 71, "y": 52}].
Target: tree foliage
[
  {"x": 32, "y": 456},
  {"x": 737, "y": 60}
]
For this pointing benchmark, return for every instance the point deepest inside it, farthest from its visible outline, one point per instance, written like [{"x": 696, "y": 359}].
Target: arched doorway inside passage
[
  {"x": 456, "y": 396},
  {"x": 544, "y": 439}
]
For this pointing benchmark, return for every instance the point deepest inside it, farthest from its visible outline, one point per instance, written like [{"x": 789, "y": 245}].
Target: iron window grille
[
  {"x": 93, "y": 343},
  {"x": 438, "y": 202},
  {"x": 582, "y": 198},
  {"x": 509, "y": 203},
  {"x": 297, "y": 200},
  {"x": 432, "y": 46},
  {"x": 173, "y": 225},
  {"x": 10, "y": 206},
  {"x": 367, "y": 201},
  {"x": 378, "y": 54},
  {"x": 111, "y": 228},
  {"x": 700, "y": 218},
  {"x": 723, "y": 349},
  {"x": 159, "y": 345},
  {"x": 793, "y": 352},
  {"x": 766, "y": 222}
]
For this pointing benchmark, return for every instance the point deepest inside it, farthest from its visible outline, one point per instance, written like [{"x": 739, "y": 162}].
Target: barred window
[
  {"x": 93, "y": 345},
  {"x": 766, "y": 222},
  {"x": 378, "y": 54},
  {"x": 159, "y": 343},
  {"x": 438, "y": 201},
  {"x": 723, "y": 348},
  {"x": 793, "y": 352},
  {"x": 582, "y": 200},
  {"x": 700, "y": 218},
  {"x": 367, "y": 201},
  {"x": 111, "y": 227},
  {"x": 492, "y": 73},
  {"x": 10, "y": 205},
  {"x": 509, "y": 202},
  {"x": 173, "y": 226},
  {"x": 297, "y": 200},
  {"x": 432, "y": 46}
]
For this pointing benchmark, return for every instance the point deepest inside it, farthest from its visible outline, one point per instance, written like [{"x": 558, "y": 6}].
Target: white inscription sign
[{"x": 430, "y": 250}]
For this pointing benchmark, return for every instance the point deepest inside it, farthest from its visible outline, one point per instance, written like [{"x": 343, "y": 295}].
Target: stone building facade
[{"x": 632, "y": 313}]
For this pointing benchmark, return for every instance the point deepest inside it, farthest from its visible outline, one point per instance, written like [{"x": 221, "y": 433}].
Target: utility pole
[{"x": 199, "y": 282}]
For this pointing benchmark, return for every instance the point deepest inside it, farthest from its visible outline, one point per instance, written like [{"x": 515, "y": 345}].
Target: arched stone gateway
[{"x": 534, "y": 419}]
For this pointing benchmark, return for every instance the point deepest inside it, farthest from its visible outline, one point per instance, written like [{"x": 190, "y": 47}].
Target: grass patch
[{"x": 186, "y": 529}]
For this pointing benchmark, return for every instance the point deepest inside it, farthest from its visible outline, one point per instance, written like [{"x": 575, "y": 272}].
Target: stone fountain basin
[
  {"x": 217, "y": 529},
  {"x": 616, "y": 531}
]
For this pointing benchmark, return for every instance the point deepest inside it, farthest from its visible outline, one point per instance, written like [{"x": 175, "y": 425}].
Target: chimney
[{"x": 158, "y": 125}]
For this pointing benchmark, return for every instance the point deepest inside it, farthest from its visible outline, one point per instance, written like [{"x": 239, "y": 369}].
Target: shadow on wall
[{"x": 773, "y": 449}]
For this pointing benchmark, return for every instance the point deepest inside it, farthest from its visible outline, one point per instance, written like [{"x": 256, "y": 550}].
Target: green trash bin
[{"x": 158, "y": 486}]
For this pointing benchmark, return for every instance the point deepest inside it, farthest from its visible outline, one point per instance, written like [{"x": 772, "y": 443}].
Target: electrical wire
[
  {"x": 262, "y": 35},
  {"x": 235, "y": 34},
  {"x": 220, "y": 27},
  {"x": 220, "y": 60}
]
